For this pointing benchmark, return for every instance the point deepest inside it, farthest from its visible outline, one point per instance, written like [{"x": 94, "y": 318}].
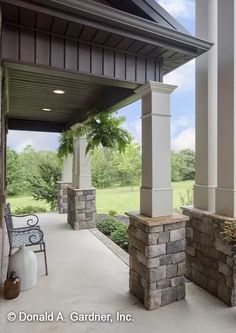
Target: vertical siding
[
  {"x": 150, "y": 70},
  {"x": 57, "y": 52},
  {"x": 109, "y": 63},
  {"x": 97, "y": 60},
  {"x": 84, "y": 57},
  {"x": 10, "y": 42},
  {"x": 140, "y": 70},
  {"x": 71, "y": 54},
  {"x": 130, "y": 67},
  {"x": 159, "y": 71},
  {"x": 42, "y": 49},
  {"x": 27, "y": 45},
  {"x": 51, "y": 50},
  {"x": 120, "y": 65}
]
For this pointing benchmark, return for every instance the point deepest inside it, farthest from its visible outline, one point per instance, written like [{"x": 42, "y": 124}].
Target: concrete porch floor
[{"x": 85, "y": 276}]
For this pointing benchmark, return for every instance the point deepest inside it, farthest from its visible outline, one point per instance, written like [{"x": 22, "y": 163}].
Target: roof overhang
[{"x": 106, "y": 18}]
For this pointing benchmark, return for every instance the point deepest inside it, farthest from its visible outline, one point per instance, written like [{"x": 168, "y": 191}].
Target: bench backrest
[{"x": 8, "y": 219}]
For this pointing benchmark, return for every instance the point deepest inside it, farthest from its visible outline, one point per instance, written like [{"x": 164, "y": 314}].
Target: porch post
[
  {"x": 226, "y": 143},
  {"x": 156, "y": 235},
  {"x": 206, "y": 108},
  {"x": 66, "y": 180},
  {"x": 81, "y": 195},
  {"x": 81, "y": 164},
  {"x": 156, "y": 196}
]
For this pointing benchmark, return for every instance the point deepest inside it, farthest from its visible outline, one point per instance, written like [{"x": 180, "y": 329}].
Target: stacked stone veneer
[
  {"x": 81, "y": 208},
  {"x": 210, "y": 262},
  {"x": 62, "y": 197},
  {"x": 157, "y": 259}
]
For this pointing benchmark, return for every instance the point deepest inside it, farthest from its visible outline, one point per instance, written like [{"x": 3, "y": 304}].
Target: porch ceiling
[{"x": 30, "y": 90}]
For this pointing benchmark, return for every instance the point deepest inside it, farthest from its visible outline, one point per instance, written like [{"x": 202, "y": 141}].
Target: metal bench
[{"x": 30, "y": 235}]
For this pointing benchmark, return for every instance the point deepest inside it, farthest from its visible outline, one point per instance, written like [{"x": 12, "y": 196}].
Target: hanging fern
[{"x": 102, "y": 129}]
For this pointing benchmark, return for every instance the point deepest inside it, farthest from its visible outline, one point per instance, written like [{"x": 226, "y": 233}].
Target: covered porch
[
  {"x": 62, "y": 63},
  {"x": 86, "y": 276}
]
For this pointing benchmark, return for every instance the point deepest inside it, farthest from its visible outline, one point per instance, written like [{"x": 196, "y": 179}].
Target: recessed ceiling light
[
  {"x": 45, "y": 109},
  {"x": 59, "y": 92}
]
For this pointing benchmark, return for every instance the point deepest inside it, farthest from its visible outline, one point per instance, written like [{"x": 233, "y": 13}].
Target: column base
[
  {"x": 157, "y": 259},
  {"x": 81, "y": 208},
  {"x": 156, "y": 202},
  {"x": 62, "y": 197},
  {"x": 226, "y": 202},
  {"x": 210, "y": 262},
  {"x": 204, "y": 197}
]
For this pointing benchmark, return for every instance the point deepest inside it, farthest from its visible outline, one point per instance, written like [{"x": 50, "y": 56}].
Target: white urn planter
[{"x": 24, "y": 263}]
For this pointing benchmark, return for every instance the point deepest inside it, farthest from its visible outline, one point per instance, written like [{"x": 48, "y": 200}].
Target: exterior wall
[
  {"x": 62, "y": 197},
  {"x": 81, "y": 208},
  {"x": 157, "y": 259},
  {"x": 40, "y": 48},
  {"x": 3, "y": 235},
  {"x": 210, "y": 262}
]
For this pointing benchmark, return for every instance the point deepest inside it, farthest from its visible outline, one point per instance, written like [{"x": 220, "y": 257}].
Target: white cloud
[
  {"x": 185, "y": 139},
  {"x": 18, "y": 140},
  {"x": 134, "y": 128},
  {"x": 178, "y": 8},
  {"x": 183, "y": 77}
]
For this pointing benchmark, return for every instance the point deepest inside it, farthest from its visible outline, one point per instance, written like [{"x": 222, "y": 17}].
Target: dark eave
[
  {"x": 150, "y": 10},
  {"x": 110, "y": 19}
]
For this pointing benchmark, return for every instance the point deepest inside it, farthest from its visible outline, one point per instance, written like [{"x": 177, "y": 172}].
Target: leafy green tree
[
  {"x": 44, "y": 185},
  {"x": 103, "y": 168},
  {"x": 28, "y": 160},
  {"x": 187, "y": 164},
  {"x": 175, "y": 167},
  {"x": 128, "y": 165},
  {"x": 14, "y": 185},
  {"x": 101, "y": 129},
  {"x": 183, "y": 165}
]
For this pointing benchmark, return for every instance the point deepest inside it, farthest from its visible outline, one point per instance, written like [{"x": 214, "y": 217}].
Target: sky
[{"x": 182, "y": 100}]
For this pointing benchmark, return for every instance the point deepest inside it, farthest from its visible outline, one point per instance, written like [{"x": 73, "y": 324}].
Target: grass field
[{"x": 120, "y": 199}]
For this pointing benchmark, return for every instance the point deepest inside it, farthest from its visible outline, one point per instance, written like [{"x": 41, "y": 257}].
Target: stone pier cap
[{"x": 151, "y": 222}]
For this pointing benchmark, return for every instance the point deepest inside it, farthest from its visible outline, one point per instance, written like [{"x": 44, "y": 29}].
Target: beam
[
  {"x": 60, "y": 73},
  {"x": 34, "y": 125}
]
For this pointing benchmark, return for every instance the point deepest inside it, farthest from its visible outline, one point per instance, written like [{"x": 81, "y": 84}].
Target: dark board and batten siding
[{"x": 34, "y": 47}]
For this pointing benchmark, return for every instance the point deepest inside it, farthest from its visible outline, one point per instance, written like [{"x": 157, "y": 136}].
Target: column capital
[{"x": 152, "y": 86}]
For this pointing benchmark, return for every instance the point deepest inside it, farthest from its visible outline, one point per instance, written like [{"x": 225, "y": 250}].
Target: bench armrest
[
  {"x": 32, "y": 221},
  {"x": 33, "y": 235}
]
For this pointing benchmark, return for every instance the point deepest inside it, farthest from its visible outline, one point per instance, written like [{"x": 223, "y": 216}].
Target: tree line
[{"x": 30, "y": 170}]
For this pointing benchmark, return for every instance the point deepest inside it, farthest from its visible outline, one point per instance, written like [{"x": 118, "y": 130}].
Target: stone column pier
[
  {"x": 81, "y": 195},
  {"x": 157, "y": 259},
  {"x": 66, "y": 180},
  {"x": 156, "y": 235}
]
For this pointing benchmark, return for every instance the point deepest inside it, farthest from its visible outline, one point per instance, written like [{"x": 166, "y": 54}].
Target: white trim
[{"x": 158, "y": 87}]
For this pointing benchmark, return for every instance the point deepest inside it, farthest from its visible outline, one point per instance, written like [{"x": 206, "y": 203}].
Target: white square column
[
  {"x": 156, "y": 195},
  {"x": 226, "y": 143},
  {"x": 81, "y": 165},
  {"x": 81, "y": 196},
  {"x": 206, "y": 108}
]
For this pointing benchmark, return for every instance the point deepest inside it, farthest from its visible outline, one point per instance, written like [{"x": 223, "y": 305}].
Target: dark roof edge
[
  {"x": 122, "y": 21},
  {"x": 157, "y": 8}
]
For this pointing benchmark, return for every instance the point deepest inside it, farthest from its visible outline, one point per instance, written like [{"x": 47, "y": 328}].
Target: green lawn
[
  {"x": 20, "y": 201},
  {"x": 120, "y": 199}
]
